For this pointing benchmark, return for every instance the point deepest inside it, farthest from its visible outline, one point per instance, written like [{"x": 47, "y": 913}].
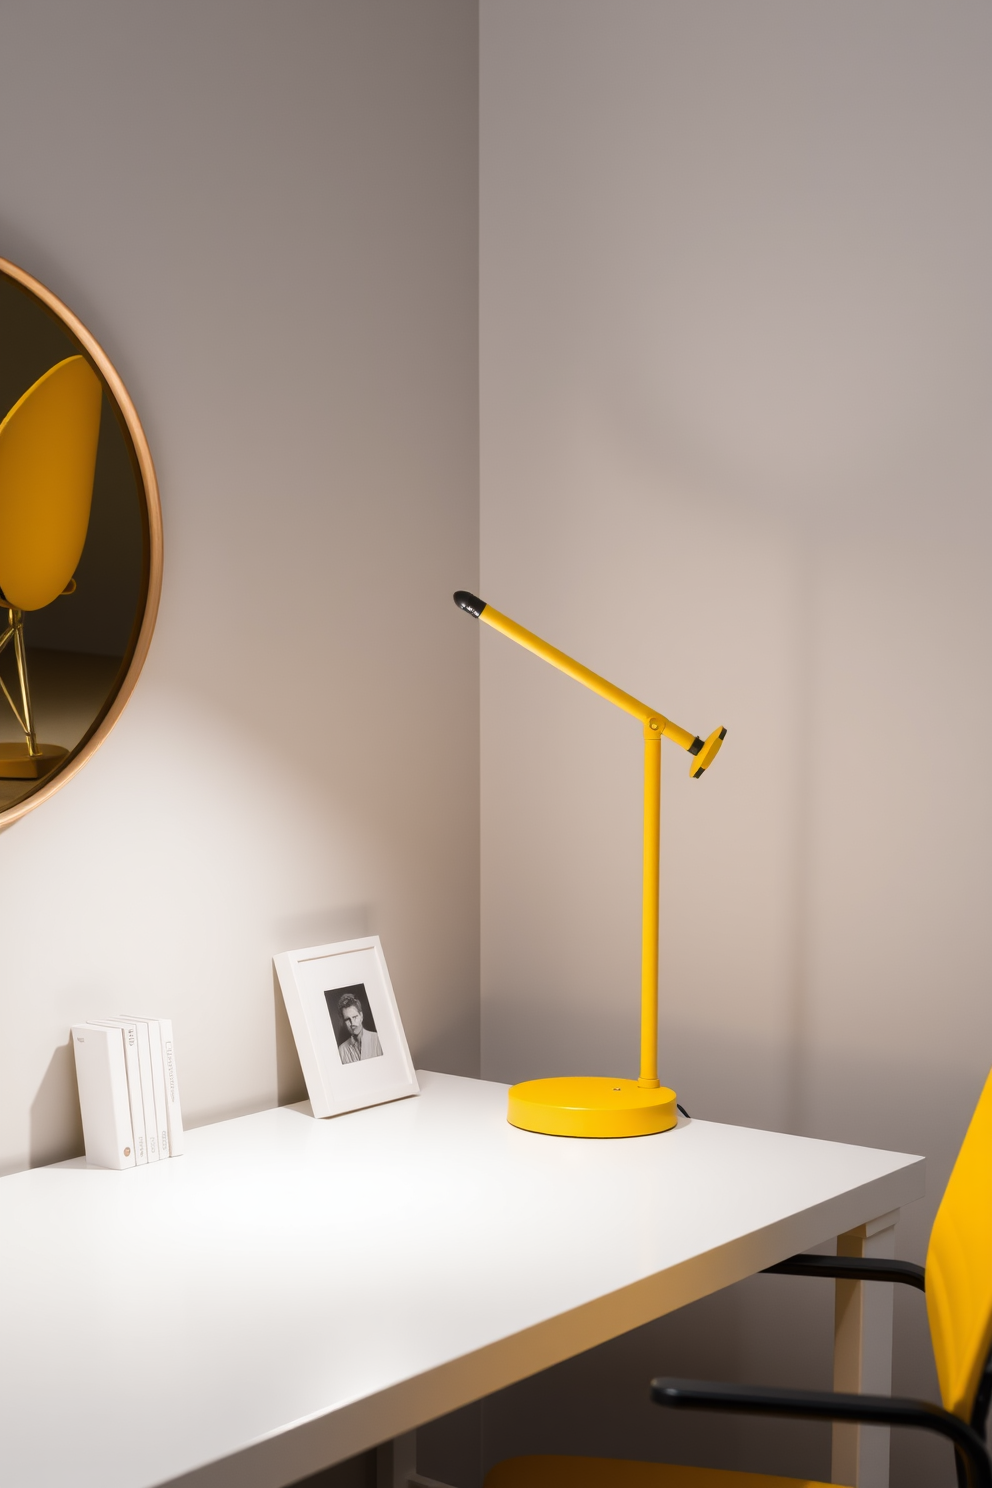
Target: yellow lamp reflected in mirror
[
  {"x": 48, "y": 445},
  {"x": 596, "y": 1105},
  {"x": 80, "y": 544}
]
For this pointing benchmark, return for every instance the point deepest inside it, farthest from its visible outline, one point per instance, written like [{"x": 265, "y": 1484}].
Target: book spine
[
  {"x": 158, "y": 1081},
  {"x": 130, "y": 1034},
  {"x": 101, "y": 1075},
  {"x": 158, "y": 1087},
  {"x": 172, "y": 1104},
  {"x": 147, "y": 1090}
]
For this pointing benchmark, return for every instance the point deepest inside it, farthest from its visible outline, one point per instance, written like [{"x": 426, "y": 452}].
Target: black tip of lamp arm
[{"x": 470, "y": 603}]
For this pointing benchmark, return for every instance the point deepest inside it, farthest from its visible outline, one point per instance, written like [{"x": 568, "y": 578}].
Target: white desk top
[{"x": 293, "y": 1291}]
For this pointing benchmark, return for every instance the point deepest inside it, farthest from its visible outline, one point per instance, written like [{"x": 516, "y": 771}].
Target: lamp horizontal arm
[
  {"x": 877, "y": 1410},
  {"x": 851, "y": 1268},
  {"x": 526, "y": 638}
]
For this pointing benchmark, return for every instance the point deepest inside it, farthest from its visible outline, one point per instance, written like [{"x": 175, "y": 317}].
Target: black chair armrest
[
  {"x": 851, "y": 1268},
  {"x": 878, "y": 1410}
]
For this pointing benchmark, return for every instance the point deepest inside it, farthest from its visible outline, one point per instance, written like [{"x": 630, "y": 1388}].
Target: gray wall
[
  {"x": 735, "y": 373},
  {"x": 268, "y": 216}
]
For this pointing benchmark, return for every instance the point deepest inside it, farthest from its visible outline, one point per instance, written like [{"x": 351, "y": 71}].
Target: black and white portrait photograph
[{"x": 354, "y": 1026}]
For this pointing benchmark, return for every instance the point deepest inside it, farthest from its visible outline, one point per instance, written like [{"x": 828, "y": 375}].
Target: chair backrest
[
  {"x": 959, "y": 1267},
  {"x": 48, "y": 445}
]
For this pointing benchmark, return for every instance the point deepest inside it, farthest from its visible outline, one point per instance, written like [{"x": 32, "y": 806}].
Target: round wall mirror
[{"x": 80, "y": 544}]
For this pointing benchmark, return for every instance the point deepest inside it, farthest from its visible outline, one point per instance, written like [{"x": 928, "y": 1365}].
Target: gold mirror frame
[{"x": 151, "y": 513}]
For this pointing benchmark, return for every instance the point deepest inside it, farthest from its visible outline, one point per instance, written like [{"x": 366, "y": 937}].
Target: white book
[
  {"x": 172, "y": 1105},
  {"x": 101, "y": 1075},
  {"x": 130, "y": 1033},
  {"x": 158, "y": 1081},
  {"x": 147, "y": 1090}
]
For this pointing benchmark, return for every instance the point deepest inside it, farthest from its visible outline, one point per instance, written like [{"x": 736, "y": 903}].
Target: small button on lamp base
[{"x": 591, "y": 1106}]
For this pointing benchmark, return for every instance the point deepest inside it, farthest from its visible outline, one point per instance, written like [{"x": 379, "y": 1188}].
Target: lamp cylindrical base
[{"x": 591, "y": 1106}]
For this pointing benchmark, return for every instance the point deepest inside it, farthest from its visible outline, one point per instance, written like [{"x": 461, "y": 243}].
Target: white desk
[{"x": 292, "y": 1291}]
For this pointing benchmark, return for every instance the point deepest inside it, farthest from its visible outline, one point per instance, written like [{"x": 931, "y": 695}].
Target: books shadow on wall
[{"x": 55, "y": 1128}]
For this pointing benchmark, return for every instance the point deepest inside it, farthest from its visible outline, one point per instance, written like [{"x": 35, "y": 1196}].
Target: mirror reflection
[{"x": 74, "y": 545}]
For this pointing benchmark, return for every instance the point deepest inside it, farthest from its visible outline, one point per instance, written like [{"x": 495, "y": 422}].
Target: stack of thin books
[{"x": 128, "y": 1091}]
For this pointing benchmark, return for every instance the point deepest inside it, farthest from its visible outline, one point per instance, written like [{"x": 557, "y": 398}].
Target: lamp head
[{"x": 705, "y": 756}]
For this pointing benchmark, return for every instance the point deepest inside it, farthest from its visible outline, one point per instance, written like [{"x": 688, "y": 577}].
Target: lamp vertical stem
[{"x": 649, "y": 910}]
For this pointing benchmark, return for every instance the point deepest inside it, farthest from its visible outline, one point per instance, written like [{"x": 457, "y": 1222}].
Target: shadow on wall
[
  {"x": 290, "y": 1083},
  {"x": 55, "y": 1125},
  {"x": 55, "y": 1128},
  {"x": 438, "y": 1051},
  {"x": 319, "y": 927}
]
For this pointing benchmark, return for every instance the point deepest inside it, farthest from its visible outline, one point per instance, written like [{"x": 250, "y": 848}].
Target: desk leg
[
  {"x": 863, "y": 1356},
  {"x": 396, "y": 1464},
  {"x": 396, "y": 1461}
]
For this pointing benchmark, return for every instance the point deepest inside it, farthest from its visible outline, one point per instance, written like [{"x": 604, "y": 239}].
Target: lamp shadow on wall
[
  {"x": 318, "y": 927},
  {"x": 55, "y": 1127}
]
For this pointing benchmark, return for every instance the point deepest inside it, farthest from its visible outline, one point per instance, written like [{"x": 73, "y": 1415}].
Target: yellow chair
[
  {"x": 958, "y": 1284},
  {"x": 48, "y": 444}
]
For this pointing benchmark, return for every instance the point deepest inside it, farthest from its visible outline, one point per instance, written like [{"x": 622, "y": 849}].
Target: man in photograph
[{"x": 362, "y": 1043}]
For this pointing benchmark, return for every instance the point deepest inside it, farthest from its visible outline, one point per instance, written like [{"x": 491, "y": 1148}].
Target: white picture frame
[{"x": 346, "y": 1024}]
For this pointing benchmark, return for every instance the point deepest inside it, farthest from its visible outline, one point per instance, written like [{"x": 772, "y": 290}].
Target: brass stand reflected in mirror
[{"x": 30, "y": 760}]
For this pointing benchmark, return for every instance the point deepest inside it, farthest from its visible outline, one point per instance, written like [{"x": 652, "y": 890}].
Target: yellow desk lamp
[
  {"x": 48, "y": 444},
  {"x": 595, "y": 1105}
]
